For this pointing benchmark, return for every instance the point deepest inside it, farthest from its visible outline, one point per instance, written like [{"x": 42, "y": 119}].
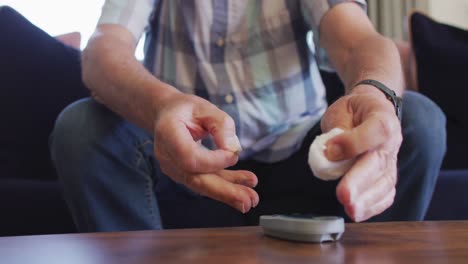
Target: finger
[
  {"x": 211, "y": 185},
  {"x": 337, "y": 115},
  {"x": 173, "y": 172},
  {"x": 374, "y": 131},
  {"x": 222, "y": 128},
  {"x": 242, "y": 177},
  {"x": 379, "y": 207},
  {"x": 364, "y": 173},
  {"x": 216, "y": 187},
  {"x": 192, "y": 156},
  {"x": 368, "y": 203}
]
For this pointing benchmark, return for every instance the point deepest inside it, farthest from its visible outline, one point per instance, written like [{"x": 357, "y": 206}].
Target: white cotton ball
[{"x": 322, "y": 167}]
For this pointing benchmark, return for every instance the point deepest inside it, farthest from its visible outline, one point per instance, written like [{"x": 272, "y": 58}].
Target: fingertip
[
  {"x": 252, "y": 179},
  {"x": 240, "y": 207},
  {"x": 244, "y": 199},
  {"x": 231, "y": 158},
  {"x": 223, "y": 130},
  {"x": 342, "y": 147},
  {"x": 338, "y": 146},
  {"x": 350, "y": 213},
  {"x": 255, "y": 199},
  {"x": 343, "y": 194},
  {"x": 357, "y": 213},
  {"x": 345, "y": 197},
  {"x": 334, "y": 152},
  {"x": 232, "y": 143},
  {"x": 220, "y": 158},
  {"x": 252, "y": 201}
]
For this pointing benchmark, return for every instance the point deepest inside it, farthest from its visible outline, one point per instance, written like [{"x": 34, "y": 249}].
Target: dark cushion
[
  {"x": 441, "y": 53},
  {"x": 33, "y": 207},
  {"x": 333, "y": 84},
  {"x": 39, "y": 76},
  {"x": 450, "y": 199}
]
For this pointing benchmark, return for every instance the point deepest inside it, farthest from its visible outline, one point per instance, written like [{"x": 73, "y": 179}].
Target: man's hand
[
  {"x": 178, "y": 121},
  {"x": 180, "y": 124},
  {"x": 373, "y": 134},
  {"x": 372, "y": 130}
]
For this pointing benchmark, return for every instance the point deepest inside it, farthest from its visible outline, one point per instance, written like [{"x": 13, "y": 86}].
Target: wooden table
[{"x": 410, "y": 242}]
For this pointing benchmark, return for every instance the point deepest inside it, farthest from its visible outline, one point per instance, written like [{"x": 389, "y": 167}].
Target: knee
[
  {"x": 77, "y": 128},
  {"x": 424, "y": 126}
]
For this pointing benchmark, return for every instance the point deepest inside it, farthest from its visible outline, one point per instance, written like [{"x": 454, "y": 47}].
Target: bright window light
[{"x": 63, "y": 16}]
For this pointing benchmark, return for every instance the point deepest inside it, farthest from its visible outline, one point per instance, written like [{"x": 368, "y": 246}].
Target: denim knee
[
  {"x": 419, "y": 159},
  {"x": 78, "y": 131},
  {"x": 106, "y": 166},
  {"x": 77, "y": 126},
  {"x": 424, "y": 128}
]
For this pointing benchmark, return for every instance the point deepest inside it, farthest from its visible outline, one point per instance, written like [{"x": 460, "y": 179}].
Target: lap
[{"x": 287, "y": 186}]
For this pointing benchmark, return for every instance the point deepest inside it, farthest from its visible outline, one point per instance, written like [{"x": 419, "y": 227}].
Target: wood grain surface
[{"x": 393, "y": 242}]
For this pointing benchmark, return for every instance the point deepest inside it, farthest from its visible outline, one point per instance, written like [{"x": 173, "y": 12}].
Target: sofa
[
  {"x": 40, "y": 75},
  {"x": 37, "y": 82}
]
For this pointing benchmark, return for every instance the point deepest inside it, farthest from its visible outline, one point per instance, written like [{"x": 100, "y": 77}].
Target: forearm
[
  {"x": 119, "y": 81},
  {"x": 377, "y": 58},
  {"x": 357, "y": 51}
]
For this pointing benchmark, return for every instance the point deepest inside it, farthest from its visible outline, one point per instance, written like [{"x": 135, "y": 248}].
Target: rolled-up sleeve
[
  {"x": 313, "y": 12},
  {"x": 131, "y": 14}
]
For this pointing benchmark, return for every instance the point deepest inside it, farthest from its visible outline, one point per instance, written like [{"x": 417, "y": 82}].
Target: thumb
[{"x": 223, "y": 130}]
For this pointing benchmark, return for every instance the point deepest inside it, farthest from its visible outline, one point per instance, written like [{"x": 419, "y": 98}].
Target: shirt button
[
  {"x": 229, "y": 98},
  {"x": 220, "y": 42}
]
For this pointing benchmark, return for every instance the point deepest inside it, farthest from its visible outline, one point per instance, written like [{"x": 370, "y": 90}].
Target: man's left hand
[{"x": 373, "y": 135}]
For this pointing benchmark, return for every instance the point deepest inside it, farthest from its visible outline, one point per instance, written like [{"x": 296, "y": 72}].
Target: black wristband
[{"x": 389, "y": 93}]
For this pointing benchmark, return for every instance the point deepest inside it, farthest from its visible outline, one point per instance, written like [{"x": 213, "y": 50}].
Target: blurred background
[
  {"x": 32, "y": 85},
  {"x": 390, "y": 16},
  {"x": 64, "y": 16},
  {"x": 58, "y": 17}
]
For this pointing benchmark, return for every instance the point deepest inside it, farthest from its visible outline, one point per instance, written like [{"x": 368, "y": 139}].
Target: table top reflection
[{"x": 392, "y": 242}]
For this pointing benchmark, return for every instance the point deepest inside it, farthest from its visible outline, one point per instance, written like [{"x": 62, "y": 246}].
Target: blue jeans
[{"x": 112, "y": 181}]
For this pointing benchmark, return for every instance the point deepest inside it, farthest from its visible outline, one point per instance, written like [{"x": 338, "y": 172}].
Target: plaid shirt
[{"x": 250, "y": 58}]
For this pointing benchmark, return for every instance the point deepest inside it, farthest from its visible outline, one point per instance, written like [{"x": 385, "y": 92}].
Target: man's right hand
[
  {"x": 180, "y": 124},
  {"x": 177, "y": 120}
]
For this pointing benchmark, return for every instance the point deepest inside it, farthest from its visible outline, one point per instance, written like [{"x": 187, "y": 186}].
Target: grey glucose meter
[{"x": 304, "y": 228}]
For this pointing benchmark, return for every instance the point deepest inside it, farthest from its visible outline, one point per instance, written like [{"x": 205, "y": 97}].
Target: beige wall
[
  {"x": 454, "y": 12},
  {"x": 389, "y": 16}
]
